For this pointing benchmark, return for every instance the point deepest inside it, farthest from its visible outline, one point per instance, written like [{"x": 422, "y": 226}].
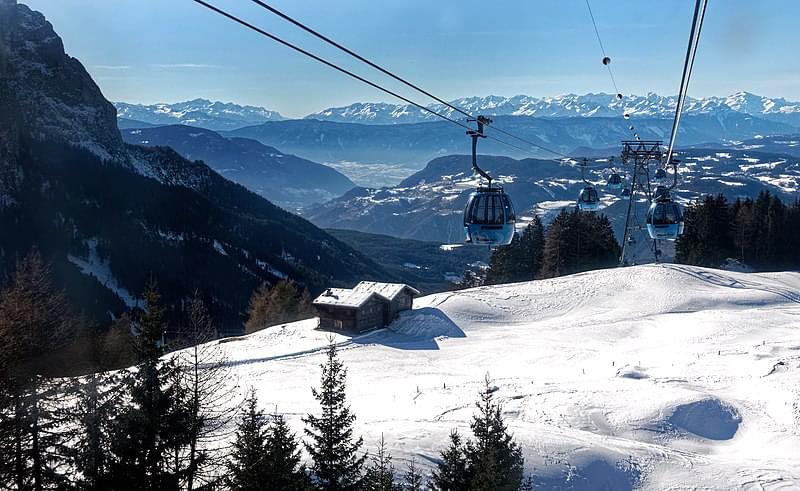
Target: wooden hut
[{"x": 369, "y": 305}]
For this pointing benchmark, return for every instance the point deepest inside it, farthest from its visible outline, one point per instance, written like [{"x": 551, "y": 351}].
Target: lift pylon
[{"x": 641, "y": 154}]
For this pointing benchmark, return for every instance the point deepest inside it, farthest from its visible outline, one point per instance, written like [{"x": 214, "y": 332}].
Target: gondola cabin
[
  {"x": 614, "y": 182},
  {"x": 489, "y": 217},
  {"x": 588, "y": 199},
  {"x": 665, "y": 220},
  {"x": 367, "y": 306}
]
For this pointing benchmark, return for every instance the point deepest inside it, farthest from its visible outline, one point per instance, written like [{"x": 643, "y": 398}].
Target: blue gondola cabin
[{"x": 367, "y": 306}]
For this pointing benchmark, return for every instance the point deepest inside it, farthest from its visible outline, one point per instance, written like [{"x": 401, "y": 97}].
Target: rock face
[
  {"x": 108, "y": 216},
  {"x": 50, "y": 93}
]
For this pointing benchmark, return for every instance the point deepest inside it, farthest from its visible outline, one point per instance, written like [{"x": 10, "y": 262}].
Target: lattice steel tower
[{"x": 641, "y": 154}]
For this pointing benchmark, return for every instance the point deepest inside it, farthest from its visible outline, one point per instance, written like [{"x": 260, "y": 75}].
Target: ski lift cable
[
  {"x": 358, "y": 77},
  {"x": 400, "y": 79},
  {"x": 359, "y": 57},
  {"x": 325, "y": 62},
  {"x": 688, "y": 65},
  {"x": 602, "y": 48},
  {"x": 608, "y": 65}
]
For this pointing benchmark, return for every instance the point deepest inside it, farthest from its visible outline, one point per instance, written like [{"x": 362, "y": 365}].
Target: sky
[{"x": 148, "y": 51}]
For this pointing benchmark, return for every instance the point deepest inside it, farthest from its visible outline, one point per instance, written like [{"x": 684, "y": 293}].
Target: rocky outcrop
[{"x": 49, "y": 94}]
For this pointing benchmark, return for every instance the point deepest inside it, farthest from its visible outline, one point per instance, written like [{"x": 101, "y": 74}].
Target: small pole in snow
[
  {"x": 612, "y": 363},
  {"x": 444, "y": 385},
  {"x": 719, "y": 352},
  {"x": 583, "y": 370}
]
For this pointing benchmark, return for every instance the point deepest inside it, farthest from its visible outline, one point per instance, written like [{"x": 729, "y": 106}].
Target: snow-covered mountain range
[
  {"x": 647, "y": 377},
  {"x": 212, "y": 115},
  {"x": 569, "y": 105},
  {"x": 215, "y": 115}
]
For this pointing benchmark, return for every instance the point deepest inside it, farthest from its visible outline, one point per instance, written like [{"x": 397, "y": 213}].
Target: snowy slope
[{"x": 653, "y": 377}]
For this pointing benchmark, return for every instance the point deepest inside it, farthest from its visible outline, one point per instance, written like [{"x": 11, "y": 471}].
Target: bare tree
[{"x": 210, "y": 397}]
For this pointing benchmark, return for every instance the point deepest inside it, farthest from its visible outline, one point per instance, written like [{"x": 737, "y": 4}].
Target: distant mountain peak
[
  {"x": 599, "y": 104},
  {"x": 200, "y": 112}
]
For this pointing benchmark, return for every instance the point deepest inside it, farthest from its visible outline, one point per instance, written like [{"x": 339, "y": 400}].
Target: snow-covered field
[{"x": 653, "y": 377}]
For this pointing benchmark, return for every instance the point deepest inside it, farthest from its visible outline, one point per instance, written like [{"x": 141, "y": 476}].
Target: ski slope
[{"x": 648, "y": 377}]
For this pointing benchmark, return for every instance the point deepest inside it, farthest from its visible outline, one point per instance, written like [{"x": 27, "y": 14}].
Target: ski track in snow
[{"x": 648, "y": 377}]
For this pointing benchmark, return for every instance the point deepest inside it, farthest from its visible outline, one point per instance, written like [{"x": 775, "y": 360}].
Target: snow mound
[
  {"x": 707, "y": 418},
  {"x": 426, "y": 323},
  {"x": 635, "y": 372}
]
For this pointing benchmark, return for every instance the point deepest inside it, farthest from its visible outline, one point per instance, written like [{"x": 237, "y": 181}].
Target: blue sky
[{"x": 150, "y": 51}]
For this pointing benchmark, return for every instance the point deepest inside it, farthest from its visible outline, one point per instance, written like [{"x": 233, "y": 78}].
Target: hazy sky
[{"x": 150, "y": 51}]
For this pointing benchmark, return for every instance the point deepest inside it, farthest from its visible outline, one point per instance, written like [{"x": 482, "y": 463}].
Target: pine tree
[
  {"x": 471, "y": 279},
  {"x": 532, "y": 250},
  {"x": 495, "y": 461},
  {"x": 578, "y": 241},
  {"x": 707, "y": 239},
  {"x": 380, "y": 475},
  {"x": 554, "y": 256},
  {"x": 451, "y": 472},
  {"x": 98, "y": 397},
  {"x": 412, "y": 479},
  {"x": 336, "y": 464},
  {"x": 149, "y": 432},
  {"x": 527, "y": 484},
  {"x": 246, "y": 469},
  {"x": 504, "y": 263},
  {"x": 521, "y": 260},
  {"x": 35, "y": 320},
  {"x": 282, "y": 458}
]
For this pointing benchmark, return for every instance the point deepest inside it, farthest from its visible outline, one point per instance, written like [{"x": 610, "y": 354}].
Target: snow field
[{"x": 653, "y": 377}]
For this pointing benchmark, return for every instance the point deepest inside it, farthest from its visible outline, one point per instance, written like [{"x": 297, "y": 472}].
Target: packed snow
[{"x": 652, "y": 377}]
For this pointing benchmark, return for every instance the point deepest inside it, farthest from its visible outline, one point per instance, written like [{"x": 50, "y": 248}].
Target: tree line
[
  {"x": 163, "y": 424},
  {"x": 574, "y": 242},
  {"x": 760, "y": 233}
]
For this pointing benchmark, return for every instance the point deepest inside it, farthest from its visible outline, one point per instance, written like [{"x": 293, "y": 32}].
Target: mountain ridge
[
  {"x": 203, "y": 113},
  {"x": 567, "y": 105},
  {"x": 109, "y": 216},
  {"x": 285, "y": 179}
]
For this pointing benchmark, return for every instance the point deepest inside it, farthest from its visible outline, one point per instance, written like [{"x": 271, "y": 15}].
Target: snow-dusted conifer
[
  {"x": 495, "y": 460},
  {"x": 336, "y": 464},
  {"x": 451, "y": 472}
]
